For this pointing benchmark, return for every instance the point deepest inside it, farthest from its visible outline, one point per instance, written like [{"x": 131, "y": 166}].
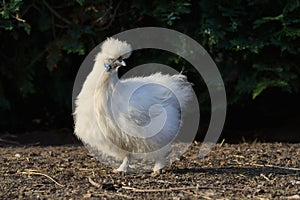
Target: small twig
[
  {"x": 206, "y": 197},
  {"x": 274, "y": 166},
  {"x": 34, "y": 172},
  {"x": 101, "y": 18},
  {"x": 178, "y": 188},
  {"x": 221, "y": 144},
  {"x": 111, "y": 195},
  {"x": 238, "y": 156},
  {"x": 110, "y": 7},
  {"x": 262, "y": 175},
  {"x": 56, "y": 13},
  {"x": 167, "y": 189},
  {"x": 162, "y": 181},
  {"x": 159, "y": 190},
  {"x": 94, "y": 183},
  {"x": 17, "y": 17},
  {"x": 113, "y": 16},
  {"x": 91, "y": 169}
]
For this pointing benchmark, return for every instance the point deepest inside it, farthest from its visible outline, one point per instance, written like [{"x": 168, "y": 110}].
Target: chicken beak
[{"x": 122, "y": 63}]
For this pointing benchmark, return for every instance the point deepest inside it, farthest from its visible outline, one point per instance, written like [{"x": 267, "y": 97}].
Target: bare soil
[{"x": 230, "y": 171}]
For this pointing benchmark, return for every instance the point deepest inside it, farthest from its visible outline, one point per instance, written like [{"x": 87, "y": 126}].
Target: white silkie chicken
[{"x": 121, "y": 118}]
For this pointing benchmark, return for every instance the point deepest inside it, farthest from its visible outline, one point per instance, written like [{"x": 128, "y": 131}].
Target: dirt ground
[{"x": 230, "y": 171}]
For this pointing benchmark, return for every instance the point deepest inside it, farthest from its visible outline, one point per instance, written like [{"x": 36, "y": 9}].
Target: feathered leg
[
  {"x": 124, "y": 166},
  {"x": 159, "y": 164},
  {"x": 161, "y": 161}
]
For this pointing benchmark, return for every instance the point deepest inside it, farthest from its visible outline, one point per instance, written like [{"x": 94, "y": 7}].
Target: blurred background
[{"x": 255, "y": 44}]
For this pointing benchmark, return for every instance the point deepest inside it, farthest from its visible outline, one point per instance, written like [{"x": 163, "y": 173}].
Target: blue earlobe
[{"x": 107, "y": 67}]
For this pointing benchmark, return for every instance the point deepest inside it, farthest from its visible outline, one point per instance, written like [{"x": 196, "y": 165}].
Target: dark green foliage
[
  {"x": 258, "y": 43},
  {"x": 165, "y": 11},
  {"x": 254, "y": 43}
]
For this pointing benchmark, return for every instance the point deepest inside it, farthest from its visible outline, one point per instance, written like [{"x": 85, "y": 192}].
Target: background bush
[{"x": 43, "y": 42}]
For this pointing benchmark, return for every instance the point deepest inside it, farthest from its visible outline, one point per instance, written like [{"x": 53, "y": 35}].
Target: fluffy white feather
[{"x": 115, "y": 127}]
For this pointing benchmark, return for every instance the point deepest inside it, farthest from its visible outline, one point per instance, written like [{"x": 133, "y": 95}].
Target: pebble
[{"x": 17, "y": 155}]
